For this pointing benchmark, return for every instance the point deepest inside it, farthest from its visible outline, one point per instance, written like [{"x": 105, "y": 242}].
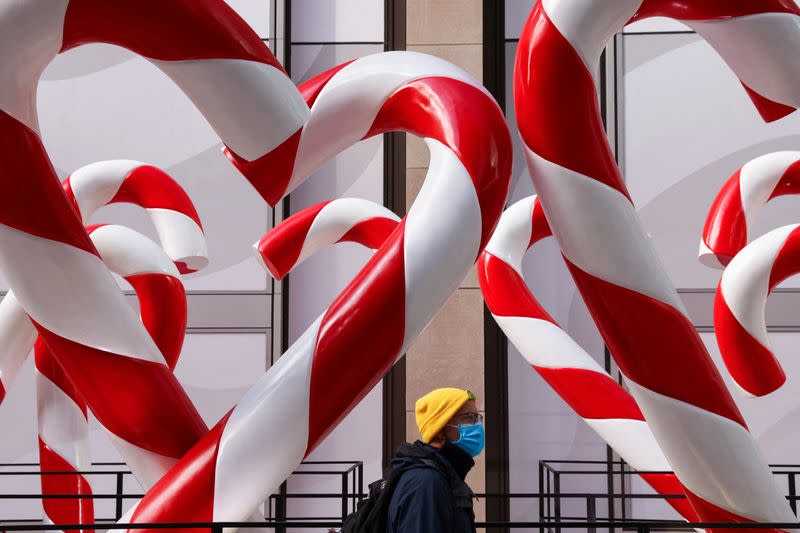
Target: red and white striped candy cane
[
  {"x": 594, "y": 395},
  {"x": 376, "y": 318},
  {"x": 169, "y": 207},
  {"x": 62, "y": 414},
  {"x": 638, "y": 311},
  {"x": 316, "y": 227},
  {"x": 740, "y": 304},
  {"x": 46, "y": 255},
  {"x": 727, "y": 228}
]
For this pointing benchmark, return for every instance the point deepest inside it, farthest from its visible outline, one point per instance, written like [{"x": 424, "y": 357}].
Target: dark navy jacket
[{"x": 432, "y": 500}]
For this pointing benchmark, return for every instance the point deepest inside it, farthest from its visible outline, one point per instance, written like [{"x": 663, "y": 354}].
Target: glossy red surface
[
  {"x": 789, "y": 182},
  {"x": 168, "y": 31},
  {"x": 541, "y": 228},
  {"x": 769, "y": 110},
  {"x": 151, "y": 187},
  {"x": 128, "y": 395},
  {"x": 669, "y": 484},
  {"x": 711, "y": 9},
  {"x": 725, "y": 230},
  {"x": 360, "y": 336},
  {"x": 505, "y": 292},
  {"x": 162, "y": 306},
  {"x": 28, "y": 179},
  {"x": 64, "y": 510},
  {"x": 665, "y": 354},
  {"x": 282, "y": 245},
  {"x": 582, "y": 390},
  {"x": 435, "y": 108},
  {"x": 371, "y": 232},
  {"x": 48, "y": 365}
]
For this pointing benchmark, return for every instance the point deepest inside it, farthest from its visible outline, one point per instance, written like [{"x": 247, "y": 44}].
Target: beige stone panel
[
  {"x": 444, "y": 21},
  {"x": 414, "y": 179},
  {"x": 471, "y": 281},
  {"x": 467, "y": 56},
  {"x": 417, "y": 153},
  {"x": 449, "y": 353}
]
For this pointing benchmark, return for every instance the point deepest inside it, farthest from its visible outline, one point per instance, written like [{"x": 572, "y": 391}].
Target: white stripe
[
  {"x": 714, "y": 457},
  {"x": 633, "y": 441},
  {"x": 346, "y": 107},
  {"x": 17, "y": 337},
  {"x": 31, "y": 34},
  {"x": 71, "y": 293},
  {"x": 146, "y": 466},
  {"x": 761, "y": 49},
  {"x": 598, "y": 230},
  {"x": 758, "y": 179},
  {"x": 273, "y": 415},
  {"x": 546, "y": 345},
  {"x": 62, "y": 425},
  {"x": 708, "y": 257},
  {"x": 589, "y": 24},
  {"x": 336, "y": 219},
  {"x": 510, "y": 239},
  {"x": 252, "y": 106},
  {"x": 440, "y": 245},
  {"x": 127, "y": 252},
  {"x": 181, "y": 237},
  {"x": 745, "y": 283},
  {"x": 97, "y": 183}
]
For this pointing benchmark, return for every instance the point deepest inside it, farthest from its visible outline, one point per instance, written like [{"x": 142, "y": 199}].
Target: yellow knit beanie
[{"x": 436, "y": 408}]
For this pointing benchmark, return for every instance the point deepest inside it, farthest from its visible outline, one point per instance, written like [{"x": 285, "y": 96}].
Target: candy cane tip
[
  {"x": 264, "y": 260},
  {"x": 711, "y": 259},
  {"x": 191, "y": 264}
]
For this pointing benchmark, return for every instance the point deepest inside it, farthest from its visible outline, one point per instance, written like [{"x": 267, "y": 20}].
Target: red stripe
[
  {"x": 664, "y": 353},
  {"x": 371, "y": 232},
  {"x": 282, "y": 245},
  {"x": 712, "y": 513},
  {"x": 751, "y": 364},
  {"x": 434, "y": 108},
  {"x": 770, "y": 110},
  {"x": 725, "y": 230},
  {"x": 48, "y": 366},
  {"x": 556, "y": 104},
  {"x": 591, "y": 394},
  {"x": 64, "y": 510},
  {"x": 31, "y": 197},
  {"x": 269, "y": 174},
  {"x": 67, "y": 184},
  {"x": 787, "y": 261},
  {"x": 186, "y": 492},
  {"x": 669, "y": 484},
  {"x": 789, "y": 182},
  {"x": 540, "y": 227},
  {"x": 2, "y": 392},
  {"x": 711, "y": 9},
  {"x": 310, "y": 89},
  {"x": 152, "y": 188},
  {"x": 177, "y": 30},
  {"x": 139, "y": 401},
  {"x": 505, "y": 292},
  {"x": 162, "y": 306},
  {"x": 359, "y": 339}
]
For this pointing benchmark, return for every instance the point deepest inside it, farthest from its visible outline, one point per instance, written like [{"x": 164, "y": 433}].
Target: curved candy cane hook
[
  {"x": 46, "y": 255},
  {"x": 316, "y": 227},
  {"x": 638, "y": 312},
  {"x": 169, "y": 207},
  {"x": 740, "y": 304},
  {"x": 62, "y": 414},
  {"x": 382, "y": 311},
  {"x": 727, "y": 227},
  {"x": 575, "y": 376}
]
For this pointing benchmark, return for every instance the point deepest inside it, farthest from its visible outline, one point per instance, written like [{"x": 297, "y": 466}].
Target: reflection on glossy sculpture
[
  {"x": 376, "y": 318},
  {"x": 638, "y": 312},
  {"x": 46, "y": 255},
  {"x": 61, "y": 410},
  {"x": 316, "y": 227},
  {"x": 740, "y": 305},
  {"x": 574, "y": 374},
  {"x": 727, "y": 227}
]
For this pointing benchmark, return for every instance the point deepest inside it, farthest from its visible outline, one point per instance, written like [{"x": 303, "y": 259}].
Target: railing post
[
  {"x": 557, "y": 491},
  {"x": 643, "y": 528},
  {"x": 344, "y": 496},
  {"x": 120, "y": 486},
  {"x": 216, "y": 528},
  {"x": 591, "y": 513},
  {"x": 793, "y": 492},
  {"x": 541, "y": 496}
]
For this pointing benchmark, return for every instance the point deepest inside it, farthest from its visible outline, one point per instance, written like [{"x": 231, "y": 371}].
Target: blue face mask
[{"x": 472, "y": 439}]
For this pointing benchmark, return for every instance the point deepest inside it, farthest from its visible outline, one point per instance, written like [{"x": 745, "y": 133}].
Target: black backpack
[{"x": 372, "y": 514}]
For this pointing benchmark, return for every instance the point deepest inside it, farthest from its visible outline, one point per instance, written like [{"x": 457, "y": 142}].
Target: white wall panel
[{"x": 332, "y": 21}]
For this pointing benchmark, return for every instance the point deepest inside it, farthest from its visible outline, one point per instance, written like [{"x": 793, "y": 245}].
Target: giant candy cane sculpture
[
  {"x": 637, "y": 310},
  {"x": 347, "y": 350},
  {"x": 567, "y": 368},
  {"x": 45, "y": 253},
  {"x": 740, "y": 304},
  {"x": 727, "y": 227},
  {"x": 62, "y": 414}
]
